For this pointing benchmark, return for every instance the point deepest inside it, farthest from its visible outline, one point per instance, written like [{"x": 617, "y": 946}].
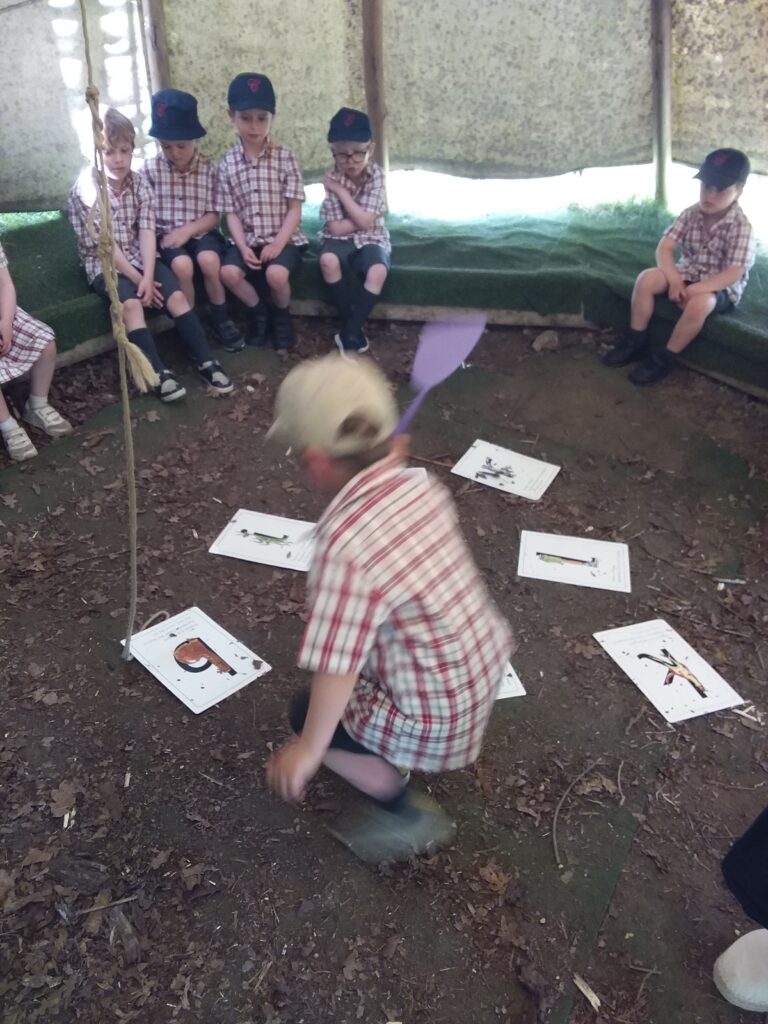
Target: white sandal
[{"x": 18, "y": 444}]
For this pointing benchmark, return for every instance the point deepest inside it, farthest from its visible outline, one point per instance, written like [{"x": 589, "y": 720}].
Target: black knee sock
[
  {"x": 142, "y": 338},
  {"x": 638, "y": 337},
  {"x": 361, "y": 310},
  {"x": 341, "y": 297},
  {"x": 218, "y": 313},
  {"x": 192, "y": 334}
]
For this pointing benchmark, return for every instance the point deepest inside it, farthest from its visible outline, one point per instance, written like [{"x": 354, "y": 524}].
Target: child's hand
[
  {"x": 332, "y": 184},
  {"x": 291, "y": 768},
  {"x": 174, "y": 239},
  {"x": 270, "y": 252},
  {"x": 250, "y": 258},
  {"x": 6, "y": 336},
  {"x": 676, "y": 290}
]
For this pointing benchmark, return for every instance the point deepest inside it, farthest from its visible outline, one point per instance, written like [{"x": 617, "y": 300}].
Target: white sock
[
  {"x": 37, "y": 402},
  {"x": 6, "y": 426}
]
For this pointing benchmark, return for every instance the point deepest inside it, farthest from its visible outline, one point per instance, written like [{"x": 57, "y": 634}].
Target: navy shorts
[
  {"x": 290, "y": 258},
  {"x": 341, "y": 740},
  {"x": 211, "y": 241},
  {"x": 359, "y": 261},
  {"x": 126, "y": 289}
]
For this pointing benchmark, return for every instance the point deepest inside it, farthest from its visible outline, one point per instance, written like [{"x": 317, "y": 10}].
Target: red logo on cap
[
  {"x": 160, "y": 109},
  {"x": 349, "y": 119},
  {"x": 254, "y": 84}
]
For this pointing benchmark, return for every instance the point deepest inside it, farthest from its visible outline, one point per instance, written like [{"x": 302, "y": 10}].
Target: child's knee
[
  {"x": 277, "y": 276},
  {"x": 209, "y": 263},
  {"x": 329, "y": 264},
  {"x": 297, "y": 710},
  {"x": 376, "y": 276},
  {"x": 182, "y": 268},
  {"x": 231, "y": 275}
]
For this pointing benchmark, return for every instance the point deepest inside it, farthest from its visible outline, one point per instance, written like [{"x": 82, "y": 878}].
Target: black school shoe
[
  {"x": 213, "y": 375},
  {"x": 655, "y": 367},
  {"x": 283, "y": 336},
  {"x": 627, "y": 351},
  {"x": 227, "y": 335},
  {"x": 351, "y": 346},
  {"x": 257, "y": 333}
]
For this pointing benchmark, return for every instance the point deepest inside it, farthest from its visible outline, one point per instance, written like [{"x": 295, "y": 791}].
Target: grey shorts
[{"x": 359, "y": 261}]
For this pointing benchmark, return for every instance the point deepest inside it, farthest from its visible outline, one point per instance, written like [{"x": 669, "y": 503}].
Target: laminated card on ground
[
  {"x": 511, "y": 686},
  {"x": 676, "y": 680},
  {"x": 271, "y": 540},
  {"x": 576, "y": 560},
  {"x": 196, "y": 659},
  {"x": 506, "y": 470}
]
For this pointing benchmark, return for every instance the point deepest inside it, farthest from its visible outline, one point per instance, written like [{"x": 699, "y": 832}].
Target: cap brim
[{"x": 188, "y": 135}]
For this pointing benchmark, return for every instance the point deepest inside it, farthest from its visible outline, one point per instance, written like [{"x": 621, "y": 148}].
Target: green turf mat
[{"x": 573, "y": 261}]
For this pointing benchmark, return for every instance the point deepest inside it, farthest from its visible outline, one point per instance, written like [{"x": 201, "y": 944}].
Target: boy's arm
[
  {"x": 7, "y": 310},
  {"x": 237, "y": 231},
  {"x": 665, "y": 261},
  {"x": 724, "y": 279},
  {"x": 290, "y": 224},
  {"x": 181, "y": 235},
  {"x": 291, "y": 768}
]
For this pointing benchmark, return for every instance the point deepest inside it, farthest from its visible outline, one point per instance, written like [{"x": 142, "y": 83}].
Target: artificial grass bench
[{"x": 575, "y": 266}]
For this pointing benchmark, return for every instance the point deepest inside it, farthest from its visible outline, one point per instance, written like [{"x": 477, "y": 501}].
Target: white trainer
[
  {"x": 46, "y": 419},
  {"x": 741, "y": 972},
  {"x": 18, "y": 444}
]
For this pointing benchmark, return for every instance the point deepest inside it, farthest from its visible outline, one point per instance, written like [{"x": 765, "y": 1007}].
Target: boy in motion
[
  {"x": 406, "y": 647},
  {"x": 717, "y": 250}
]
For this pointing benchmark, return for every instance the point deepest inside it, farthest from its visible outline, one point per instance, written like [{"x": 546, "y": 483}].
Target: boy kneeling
[{"x": 407, "y": 648}]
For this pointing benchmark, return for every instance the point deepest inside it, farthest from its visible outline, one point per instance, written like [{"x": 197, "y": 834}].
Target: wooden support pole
[
  {"x": 373, "y": 66},
  {"x": 662, "y": 94},
  {"x": 153, "y": 23}
]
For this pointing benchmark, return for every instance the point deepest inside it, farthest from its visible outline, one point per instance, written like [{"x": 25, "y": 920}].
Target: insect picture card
[
  {"x": 511, "y": 685},
  {"x": 668, "y": 671},
  {"x": 579, "y": 561},
  {"x": 196, "y": 659},
  {"x": 506, "y": 470},
  {"x": 270, "y": 540}
]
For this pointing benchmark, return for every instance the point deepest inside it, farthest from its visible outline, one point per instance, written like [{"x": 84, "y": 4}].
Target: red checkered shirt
[
  {"x": 29, "y": 338},
  {"x": 131, "y": 210},
  {"x": 180, "y": 199},
  {"x": 257, "y": 190},
  {"x": 370, "y": 193},
  {"x": 395, "y": 596},
  {"x": 706, "y": 253}
]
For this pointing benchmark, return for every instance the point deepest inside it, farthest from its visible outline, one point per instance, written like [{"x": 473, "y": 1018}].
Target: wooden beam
[
  {"x": 661, "y": 16},
  {"x": 373, "y": 67},
  {"x": 155, "y": 43}
]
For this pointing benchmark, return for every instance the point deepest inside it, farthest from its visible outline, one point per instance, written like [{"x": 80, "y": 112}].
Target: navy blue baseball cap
[
  {"x": 348, "y": 125},
  {"x": 251, "y": 91},
  {"x": 174, "y": 117},
  {"x": 723, "y": 168}
]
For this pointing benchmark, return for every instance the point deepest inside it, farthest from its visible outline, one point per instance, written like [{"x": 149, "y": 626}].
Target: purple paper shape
[{"x": 443, "y": 347}]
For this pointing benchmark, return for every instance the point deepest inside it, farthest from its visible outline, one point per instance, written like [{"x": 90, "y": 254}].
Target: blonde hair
[{"x": 117, "y": 128}]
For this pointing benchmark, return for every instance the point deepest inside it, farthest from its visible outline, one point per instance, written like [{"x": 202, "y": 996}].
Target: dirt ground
[{"x": 225, "y": 905}]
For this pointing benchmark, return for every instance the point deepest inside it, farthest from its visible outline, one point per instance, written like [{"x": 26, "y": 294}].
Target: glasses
[{"x": 357, "y": 155}]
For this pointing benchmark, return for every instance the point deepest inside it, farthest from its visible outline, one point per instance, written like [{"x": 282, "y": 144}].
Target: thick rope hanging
[{"x": 129, "y": 355}]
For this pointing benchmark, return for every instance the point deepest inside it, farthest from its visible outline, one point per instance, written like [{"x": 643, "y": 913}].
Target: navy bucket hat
[
  {"x": 251, "y": 91},
  {"x": 348, "y": 125},
  {"x": 174, "y": 117}
]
